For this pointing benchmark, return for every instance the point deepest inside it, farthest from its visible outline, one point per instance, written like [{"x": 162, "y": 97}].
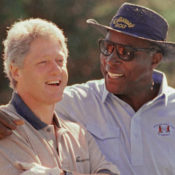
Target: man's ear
[
  {"x": 14, "y": 72},
  {"x": 156, "y": 58}
]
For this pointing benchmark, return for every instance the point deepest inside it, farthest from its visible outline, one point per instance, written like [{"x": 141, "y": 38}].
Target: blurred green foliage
[{"x": 71, "y": 16}]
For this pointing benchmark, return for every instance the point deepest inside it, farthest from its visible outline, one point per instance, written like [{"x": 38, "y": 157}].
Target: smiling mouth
[
  {"x": 54, "y": 83},
  {"x": 113, "y": 75}
]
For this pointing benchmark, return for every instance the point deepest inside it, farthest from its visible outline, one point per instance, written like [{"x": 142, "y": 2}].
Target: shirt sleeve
[
  {"x": 12, "y": 149},
  {"x": 98, "y": 162},
  {"x": 105, "y": 171}
]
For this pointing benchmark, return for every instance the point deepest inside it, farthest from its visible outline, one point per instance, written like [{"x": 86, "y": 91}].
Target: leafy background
[{"x": 71, "y": 16}]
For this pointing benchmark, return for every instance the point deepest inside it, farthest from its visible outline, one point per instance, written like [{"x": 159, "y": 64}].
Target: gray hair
[{"x": 19, "y": 38}]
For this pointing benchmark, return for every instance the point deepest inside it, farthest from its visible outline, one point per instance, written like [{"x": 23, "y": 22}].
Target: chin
[
  {"x": 113, "y": 89},
  {"x": 54, "y": 99},
  {"x": 57, "y": 99}
]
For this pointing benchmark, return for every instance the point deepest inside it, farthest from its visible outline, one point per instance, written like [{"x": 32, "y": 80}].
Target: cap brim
[{"x": 168, "y": 47}]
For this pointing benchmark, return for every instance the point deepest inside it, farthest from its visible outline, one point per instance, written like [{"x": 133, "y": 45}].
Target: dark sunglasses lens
[
  {"x": 125, "y": 53},
  {"x": 106, "y": 47}
]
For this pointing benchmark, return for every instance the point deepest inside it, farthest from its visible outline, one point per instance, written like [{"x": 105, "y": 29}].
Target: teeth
[
  {"x": 53, "y": 82},
  {"x": 112, "y": 75}
]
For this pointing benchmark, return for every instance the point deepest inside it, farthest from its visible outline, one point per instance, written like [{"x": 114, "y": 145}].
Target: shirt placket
[
  {"x": 49, "y": 134},
  {"x": 136, "y": 142}
]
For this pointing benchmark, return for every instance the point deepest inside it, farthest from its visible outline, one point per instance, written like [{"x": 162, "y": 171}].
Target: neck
[
  {"x": 43, "y": 111},
  {"x": 138, "y": 99}
]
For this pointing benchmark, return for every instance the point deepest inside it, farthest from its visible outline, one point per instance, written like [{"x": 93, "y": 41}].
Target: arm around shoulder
[{"x": 97, "y": 160}]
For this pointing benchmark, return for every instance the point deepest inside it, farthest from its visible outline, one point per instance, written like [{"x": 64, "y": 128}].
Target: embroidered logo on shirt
[
  {"x": 78, "y": 159},
  {"x": 164, "y": 129}
]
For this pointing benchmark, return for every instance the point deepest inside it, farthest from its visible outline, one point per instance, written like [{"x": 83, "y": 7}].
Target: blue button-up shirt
[{"x": 139, "y": 143}]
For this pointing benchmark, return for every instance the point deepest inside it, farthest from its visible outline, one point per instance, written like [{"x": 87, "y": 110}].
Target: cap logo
[{"x": 122, "y": 23}]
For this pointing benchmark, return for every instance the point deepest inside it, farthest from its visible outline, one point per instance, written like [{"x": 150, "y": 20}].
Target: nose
[{"x": 55, "y": 68}]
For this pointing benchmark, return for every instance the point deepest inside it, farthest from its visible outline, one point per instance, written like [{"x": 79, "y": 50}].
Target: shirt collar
[
  {"x": 23, "y": 110},
  {"x": 158, "y": 77},
  {"x": 105, "y": 93}
]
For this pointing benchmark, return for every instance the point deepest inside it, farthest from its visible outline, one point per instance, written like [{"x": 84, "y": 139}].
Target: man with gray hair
[{"x": 35, "y": 61}]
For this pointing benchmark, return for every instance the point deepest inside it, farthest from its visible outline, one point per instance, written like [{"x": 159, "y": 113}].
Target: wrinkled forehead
[
  {"x": 55, "y": 39},
  {"x": 46, "y": 48}
]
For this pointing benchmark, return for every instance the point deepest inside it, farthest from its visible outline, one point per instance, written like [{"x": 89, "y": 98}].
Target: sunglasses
[{"x": 124, "y": 52}]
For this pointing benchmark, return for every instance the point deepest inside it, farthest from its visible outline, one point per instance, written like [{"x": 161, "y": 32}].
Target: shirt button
[{"x": 48, "y": 129}]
